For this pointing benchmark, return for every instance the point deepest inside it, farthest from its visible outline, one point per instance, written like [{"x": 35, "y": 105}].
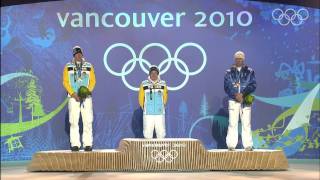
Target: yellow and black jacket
[
  {"x": 76, "y": 75},
  {"x": 153, "y": 97}
]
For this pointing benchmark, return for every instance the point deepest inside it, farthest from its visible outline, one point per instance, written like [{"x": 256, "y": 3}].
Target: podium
[{"x": 171, "y": 154}]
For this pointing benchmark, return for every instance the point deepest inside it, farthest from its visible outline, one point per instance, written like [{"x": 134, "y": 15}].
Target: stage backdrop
[{"x": 193, "y": 42}]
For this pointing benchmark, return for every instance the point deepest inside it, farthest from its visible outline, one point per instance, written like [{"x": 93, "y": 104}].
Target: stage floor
[{"x": 298, "y": 169}]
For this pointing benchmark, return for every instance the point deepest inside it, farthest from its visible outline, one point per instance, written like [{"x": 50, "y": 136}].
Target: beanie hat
[
  {"x": 76, "y": 50},
  {"x": 239, "y": 55}
]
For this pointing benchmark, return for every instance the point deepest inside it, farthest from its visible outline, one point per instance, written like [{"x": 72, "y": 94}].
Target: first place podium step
[{"x": 171, "y": 154}]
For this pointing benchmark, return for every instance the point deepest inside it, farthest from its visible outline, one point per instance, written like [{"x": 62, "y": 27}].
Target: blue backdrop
[{"x": 192, "y": 41}]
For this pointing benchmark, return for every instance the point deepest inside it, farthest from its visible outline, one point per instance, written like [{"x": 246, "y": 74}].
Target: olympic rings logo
[
  {"x": 164, "y": 66},
  {"x": 296, "y": 18},
  {"x": 164, "y": 155}
]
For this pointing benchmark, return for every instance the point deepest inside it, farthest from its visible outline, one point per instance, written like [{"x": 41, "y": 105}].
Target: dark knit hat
[
  {"x": 76, "y": 50},
  {"x": 153, "y": 68}
]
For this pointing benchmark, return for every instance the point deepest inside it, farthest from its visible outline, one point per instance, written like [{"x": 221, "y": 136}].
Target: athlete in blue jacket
[{"x": 239, "y": 81}]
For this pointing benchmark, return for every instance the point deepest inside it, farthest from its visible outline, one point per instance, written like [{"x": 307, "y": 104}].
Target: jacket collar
[
  {"x": 234, "y": 67},
  {"x": 154, "y": 82},
  {"x": 73, "y": 61}
]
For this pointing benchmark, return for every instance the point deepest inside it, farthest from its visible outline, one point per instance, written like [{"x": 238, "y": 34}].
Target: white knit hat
[{"x": 239, "y": 54}]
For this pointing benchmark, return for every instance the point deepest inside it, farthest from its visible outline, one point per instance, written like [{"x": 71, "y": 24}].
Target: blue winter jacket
[{"x": 245, "y": 76}]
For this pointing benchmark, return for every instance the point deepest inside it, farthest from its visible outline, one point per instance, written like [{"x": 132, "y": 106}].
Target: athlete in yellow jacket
[
  {"x": 79, "y": 73},
  {"x": 153, "y": 96}
]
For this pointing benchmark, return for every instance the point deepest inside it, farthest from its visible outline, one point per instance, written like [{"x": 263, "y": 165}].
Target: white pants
[
  {"x": 151, "y": 122},
  {"x": 87, "y": 119},
  {"x": 236, "y": 110}
]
